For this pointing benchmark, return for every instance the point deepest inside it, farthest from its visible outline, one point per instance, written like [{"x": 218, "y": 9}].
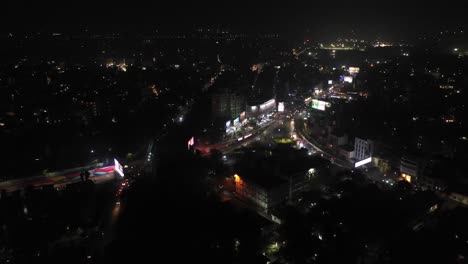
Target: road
[
  {"x": 98, "y": 175},
  {"x": 299, "y": 128},
  {"x": 230, "y": 145}
]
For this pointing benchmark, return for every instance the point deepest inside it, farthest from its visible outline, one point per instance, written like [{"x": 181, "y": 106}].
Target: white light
[
  {"x": 348, "y": 79},
  {"x": 280, "y": 107},
  {"x": 363, "y": 162},
  {"x": 118, "y": 168},
  {"x": 319, "y": 105}
]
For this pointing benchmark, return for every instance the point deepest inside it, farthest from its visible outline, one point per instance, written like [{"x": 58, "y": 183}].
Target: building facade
[
  {"x": 410, "y": 168},
  {"x": 227, "y": 105},
  {"x": 362, "y": 148}
]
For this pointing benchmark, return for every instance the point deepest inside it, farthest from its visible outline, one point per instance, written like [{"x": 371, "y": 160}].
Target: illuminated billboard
[
  {"x": 330, "y": 82},
  {"x": 267, "y": 104},
  {"x": 319, "y": 105},
  {"x": 280, "y": 107},
  {"x": 236, "y": 121},
  {"x": 363, "y": 162},
  {"x": 354, "y": 70},
  {"x": 228, "y": 126},
  {"x": 118, "y": 168},
  {"x": 348, "y": 79},
  {"x": 191, "y": 142}
]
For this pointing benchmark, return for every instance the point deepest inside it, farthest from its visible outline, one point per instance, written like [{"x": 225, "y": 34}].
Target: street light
[{"x": 236, "y": 178}]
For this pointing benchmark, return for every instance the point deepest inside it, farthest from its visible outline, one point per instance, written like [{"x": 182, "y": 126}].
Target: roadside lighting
[{"x": 236, "y": 178}]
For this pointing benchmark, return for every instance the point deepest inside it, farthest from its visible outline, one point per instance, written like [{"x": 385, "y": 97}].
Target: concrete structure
[
  {"x": 459, "y": 197},
  {"x": 347, "y": 151},
  {"x": 382, "y": 164},
  {"x": 263, "y": 191},
  {"x": 410, "y": 168},
  {"x": 338, "y": 138},
  {"x": 363, "y": 148},
  {"x": 431, "y": 183},
  {"x": 269, "y": 181},
  {"x": 227, "y": 105},
  {"x": 255, "y": 109}
]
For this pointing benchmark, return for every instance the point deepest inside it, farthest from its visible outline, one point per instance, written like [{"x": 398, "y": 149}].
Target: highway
[
  {"x": 98, "y": 175},
  {"x": 299, "y": 128}
]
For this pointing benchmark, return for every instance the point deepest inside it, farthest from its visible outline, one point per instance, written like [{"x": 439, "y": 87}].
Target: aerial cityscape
[{"x": 245, "y": 133}]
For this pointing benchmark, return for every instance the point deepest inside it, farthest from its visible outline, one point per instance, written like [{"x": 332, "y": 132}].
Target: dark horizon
[{"x": 363, "y": 19}]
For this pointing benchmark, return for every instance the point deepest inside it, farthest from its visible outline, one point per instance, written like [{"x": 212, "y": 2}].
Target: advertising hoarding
[
  {"x": 353, "y": 70},
  {"x": 191, "y": 142},
  {"x": 362, "y": 162},
  {"x": 118, "y": 168},
  {"x": 267, "y": 104},
  {"x": 319, "y": 105},
  {"x": 280, "y": 107},
  {"x": 348, "y": 79},
  {"x": 236, "y": 121}
]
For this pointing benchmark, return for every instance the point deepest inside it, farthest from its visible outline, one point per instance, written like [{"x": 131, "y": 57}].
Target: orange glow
[
  {"x": 406, "y": 177},
  {"x": 236, "y": 178},
  {"x": 154, "y": 89}
]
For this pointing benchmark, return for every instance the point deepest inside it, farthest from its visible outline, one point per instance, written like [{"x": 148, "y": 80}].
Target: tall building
[
  {"x": 410, "y": 168},
  {"x": 226, "y": 104},
  {"x": 263, "y": 192},
  {"x": 362, "y": 148}
]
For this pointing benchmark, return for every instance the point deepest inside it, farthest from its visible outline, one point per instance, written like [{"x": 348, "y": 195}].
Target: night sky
[{"x": 366, "y": 18}]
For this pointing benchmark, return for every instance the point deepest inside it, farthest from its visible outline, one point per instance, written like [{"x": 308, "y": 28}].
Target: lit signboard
[
  {"x": 319, "y": 105},
  {"x": 236, "y": 121},
  {"x": 267, "y": 104},
  {"x": 280, "y": 107},
  {"x": 228, "y": 125},
  {"x": 348, "y": 79},
  {"x": 353, "y": 70},
  {"x": 191, "y": 142},
  {"x": 118, "y": 168},
  {"x": 363, "y": 162},
  {"x": 330, "y": 82}
]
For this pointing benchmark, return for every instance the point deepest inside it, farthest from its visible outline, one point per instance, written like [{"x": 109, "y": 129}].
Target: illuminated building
[
  {"x": 410, "y": 168},
  {"x": 263, "y": 191},
  {"x": 227, "y": 105},
  {"x": 347, "y": 151},
  {"x": 256, "y": 109},
  {"x": 267, "y": 183},
  {"x": 362, "y": 148},
  {"x": 382, "y": 164}
]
